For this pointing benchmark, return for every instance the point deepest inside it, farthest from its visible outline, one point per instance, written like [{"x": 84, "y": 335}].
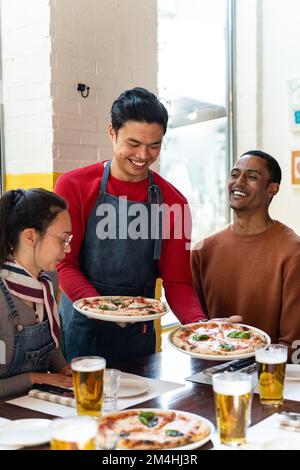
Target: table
[{"x": 171, "y": 365}]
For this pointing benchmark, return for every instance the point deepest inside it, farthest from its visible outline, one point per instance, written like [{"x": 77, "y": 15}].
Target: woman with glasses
[{"x": 35, "y": 235}]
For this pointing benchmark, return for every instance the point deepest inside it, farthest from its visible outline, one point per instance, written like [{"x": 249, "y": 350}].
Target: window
[{"x": 193, "y": 81}]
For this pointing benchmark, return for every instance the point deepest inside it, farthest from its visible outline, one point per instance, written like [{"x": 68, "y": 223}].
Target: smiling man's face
[
  {"x": 249, "y": 184},
  {"x": 136, "y": 146}
]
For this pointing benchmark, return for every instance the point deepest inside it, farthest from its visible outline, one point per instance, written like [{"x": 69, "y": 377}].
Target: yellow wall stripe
[{"x": 31, "y": 180}]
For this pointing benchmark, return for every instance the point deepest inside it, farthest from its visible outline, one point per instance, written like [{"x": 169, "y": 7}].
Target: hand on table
[
  {"x": 59, "y": 380},
  {"x": 66, "y": 370}
]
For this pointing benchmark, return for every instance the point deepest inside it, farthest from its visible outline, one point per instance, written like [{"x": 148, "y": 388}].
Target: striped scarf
[{"x": 39, "y": 291}]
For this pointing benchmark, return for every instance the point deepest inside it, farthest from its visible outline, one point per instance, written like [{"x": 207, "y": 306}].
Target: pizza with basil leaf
[
  {"x": 155, "y": 428},
  {"x": 218, "y": 338},
  {"x": 119, "y": 306}
]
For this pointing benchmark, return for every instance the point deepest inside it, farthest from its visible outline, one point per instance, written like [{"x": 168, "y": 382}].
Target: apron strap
[
  {"x": 105, "y": 177},
  {"x": 13, "y": 313},
  {"x": 155, "y": 197}
]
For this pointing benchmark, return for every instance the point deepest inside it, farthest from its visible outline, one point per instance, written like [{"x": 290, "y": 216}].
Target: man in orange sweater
[{"x": 252, "y": 267}]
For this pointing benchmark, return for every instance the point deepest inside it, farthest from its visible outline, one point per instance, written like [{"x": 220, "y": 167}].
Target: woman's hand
[
  {"x": 60, "y": 380},
  {"x": 66, "y": 370}
]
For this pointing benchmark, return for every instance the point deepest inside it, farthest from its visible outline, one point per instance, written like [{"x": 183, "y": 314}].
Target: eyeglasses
[{"x": 66, "y": 242}]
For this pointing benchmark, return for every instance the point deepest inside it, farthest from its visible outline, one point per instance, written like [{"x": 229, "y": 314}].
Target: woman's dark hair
[
  {"x": 140, "y": 105},
  {"x": 272, "y": 164},
  {"x": 20, "y": 209}
]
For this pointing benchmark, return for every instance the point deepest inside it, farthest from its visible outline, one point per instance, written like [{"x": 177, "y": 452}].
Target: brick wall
[
  {"x": 51, "y": 45},
  {"x": 26, "y": 49}
]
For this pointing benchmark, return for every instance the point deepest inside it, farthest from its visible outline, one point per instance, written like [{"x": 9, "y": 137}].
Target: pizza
[
  {"x": 122, "y": 306},
  {"x": 219, "y": 338},
  {"x": 146, "y": 429}
]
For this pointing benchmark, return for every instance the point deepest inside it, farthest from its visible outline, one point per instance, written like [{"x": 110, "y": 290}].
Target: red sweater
[{"x": 80, "y": 188}]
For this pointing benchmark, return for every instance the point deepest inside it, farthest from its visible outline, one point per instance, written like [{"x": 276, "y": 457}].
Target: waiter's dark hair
[
  {"x": 272, "y": 164},
  {"x": 138, "y": 104},
  {"x": 20, "y": 209}
]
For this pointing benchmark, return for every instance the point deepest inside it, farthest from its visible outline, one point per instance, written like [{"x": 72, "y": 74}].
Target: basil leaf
[
  {"x": 239, "y": 334},
  {"x": 200, "y": 337},
  {"x": 244, "y": 335},
  {"x": 108, "y": 307},
  {"x": 174, "y": 433},
  {"x": 233, "y": 334},
  {"x": 124, "y": 434},
  {"x": 227, "y": 347},
  {"x": 117, "y": 302},
  {"x": 148, "y": 418}
]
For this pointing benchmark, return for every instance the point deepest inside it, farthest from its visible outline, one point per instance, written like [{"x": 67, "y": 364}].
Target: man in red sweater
[
  {"x": 252, "y": 267},
  {"x": 124, "y": 256}
]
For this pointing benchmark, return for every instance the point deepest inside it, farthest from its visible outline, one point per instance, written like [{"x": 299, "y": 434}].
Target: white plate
[
  {"x": 118, "y": 318},
  {"x": 193, "y": 445},
  {"x": 25, "y": 432},
  {"x": 283, "y": 443},
  {"x": 292, "y": 373},
  {"x": 132, "y": 387},
  {"x": 217, "y": 357}
]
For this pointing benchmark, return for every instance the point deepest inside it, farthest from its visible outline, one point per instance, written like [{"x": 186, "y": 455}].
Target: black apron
[{"x": 116, "y": 266}]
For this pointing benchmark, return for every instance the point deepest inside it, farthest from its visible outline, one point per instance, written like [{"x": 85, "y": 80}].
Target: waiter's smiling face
[{"x": 136, "y": 145}]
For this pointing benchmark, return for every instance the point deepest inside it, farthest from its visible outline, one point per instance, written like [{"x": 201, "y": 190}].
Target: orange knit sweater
[{"x": 256, "y": 276}]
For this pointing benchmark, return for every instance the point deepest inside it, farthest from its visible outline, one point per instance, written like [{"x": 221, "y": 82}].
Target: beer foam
[
  {"x": 75, "y": 430},
  {"x": 271, "y": 356},
  {"x": 231, "y": 386},
  {"x": 89, "y": 364}
]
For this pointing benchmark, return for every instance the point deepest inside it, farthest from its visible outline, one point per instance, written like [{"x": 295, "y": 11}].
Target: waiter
[{"x": 130, "y": 227}]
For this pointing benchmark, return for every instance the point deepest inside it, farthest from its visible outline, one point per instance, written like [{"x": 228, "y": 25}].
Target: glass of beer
[
  {"x": 88, "y": 374},
  {"x": 232, "y": 391},
  {"x": 271, "y": 363},
  {"x": 75, "y": 433}
]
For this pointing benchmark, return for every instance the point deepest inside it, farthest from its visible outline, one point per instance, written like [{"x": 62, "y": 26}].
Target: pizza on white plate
[
  {"x": 155, "y": 429},
  {"x": 122, "y": 306},
  {"x": 216, "y": 338}
]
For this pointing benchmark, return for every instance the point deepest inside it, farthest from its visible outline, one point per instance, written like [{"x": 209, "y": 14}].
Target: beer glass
[
  {"x": 271, "y": 363},
  {"x": 88, "y": 373},
  {"x": 76, "y": 433},
  {"x": 232, "y": 391}
]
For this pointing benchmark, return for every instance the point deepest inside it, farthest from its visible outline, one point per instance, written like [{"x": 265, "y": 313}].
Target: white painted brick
[
  {"x": 13, "y": 65},
  {"x": 110, "y": 45},
  {"x": 27, "y": 77},
  {"x": 28, "y": 123},
  {"x": 29, "y": 107},
  {"x": 14, "y": 140},
  {"x": 65, "y": 136},
  {"x": 17, "y": 14},
  {"x": 61, "y": 106},
  {"x": 26, "y": 41},
  {"x": 65, "y": 92},
  {"x": 69, "y": 122},
  {"x": 62, "y": 166},
  {"x": 80, "y": 152},
  {"x": 102, "y": 124},
  {"x": 89, "y": 138},
  {"x": 84, "y": 163},
  {"x": 90, "y": 109},
  {"x": 65, "y": 47},
  {"x": 30, "y": 160},
  {"x": 29, "y": 92}
]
